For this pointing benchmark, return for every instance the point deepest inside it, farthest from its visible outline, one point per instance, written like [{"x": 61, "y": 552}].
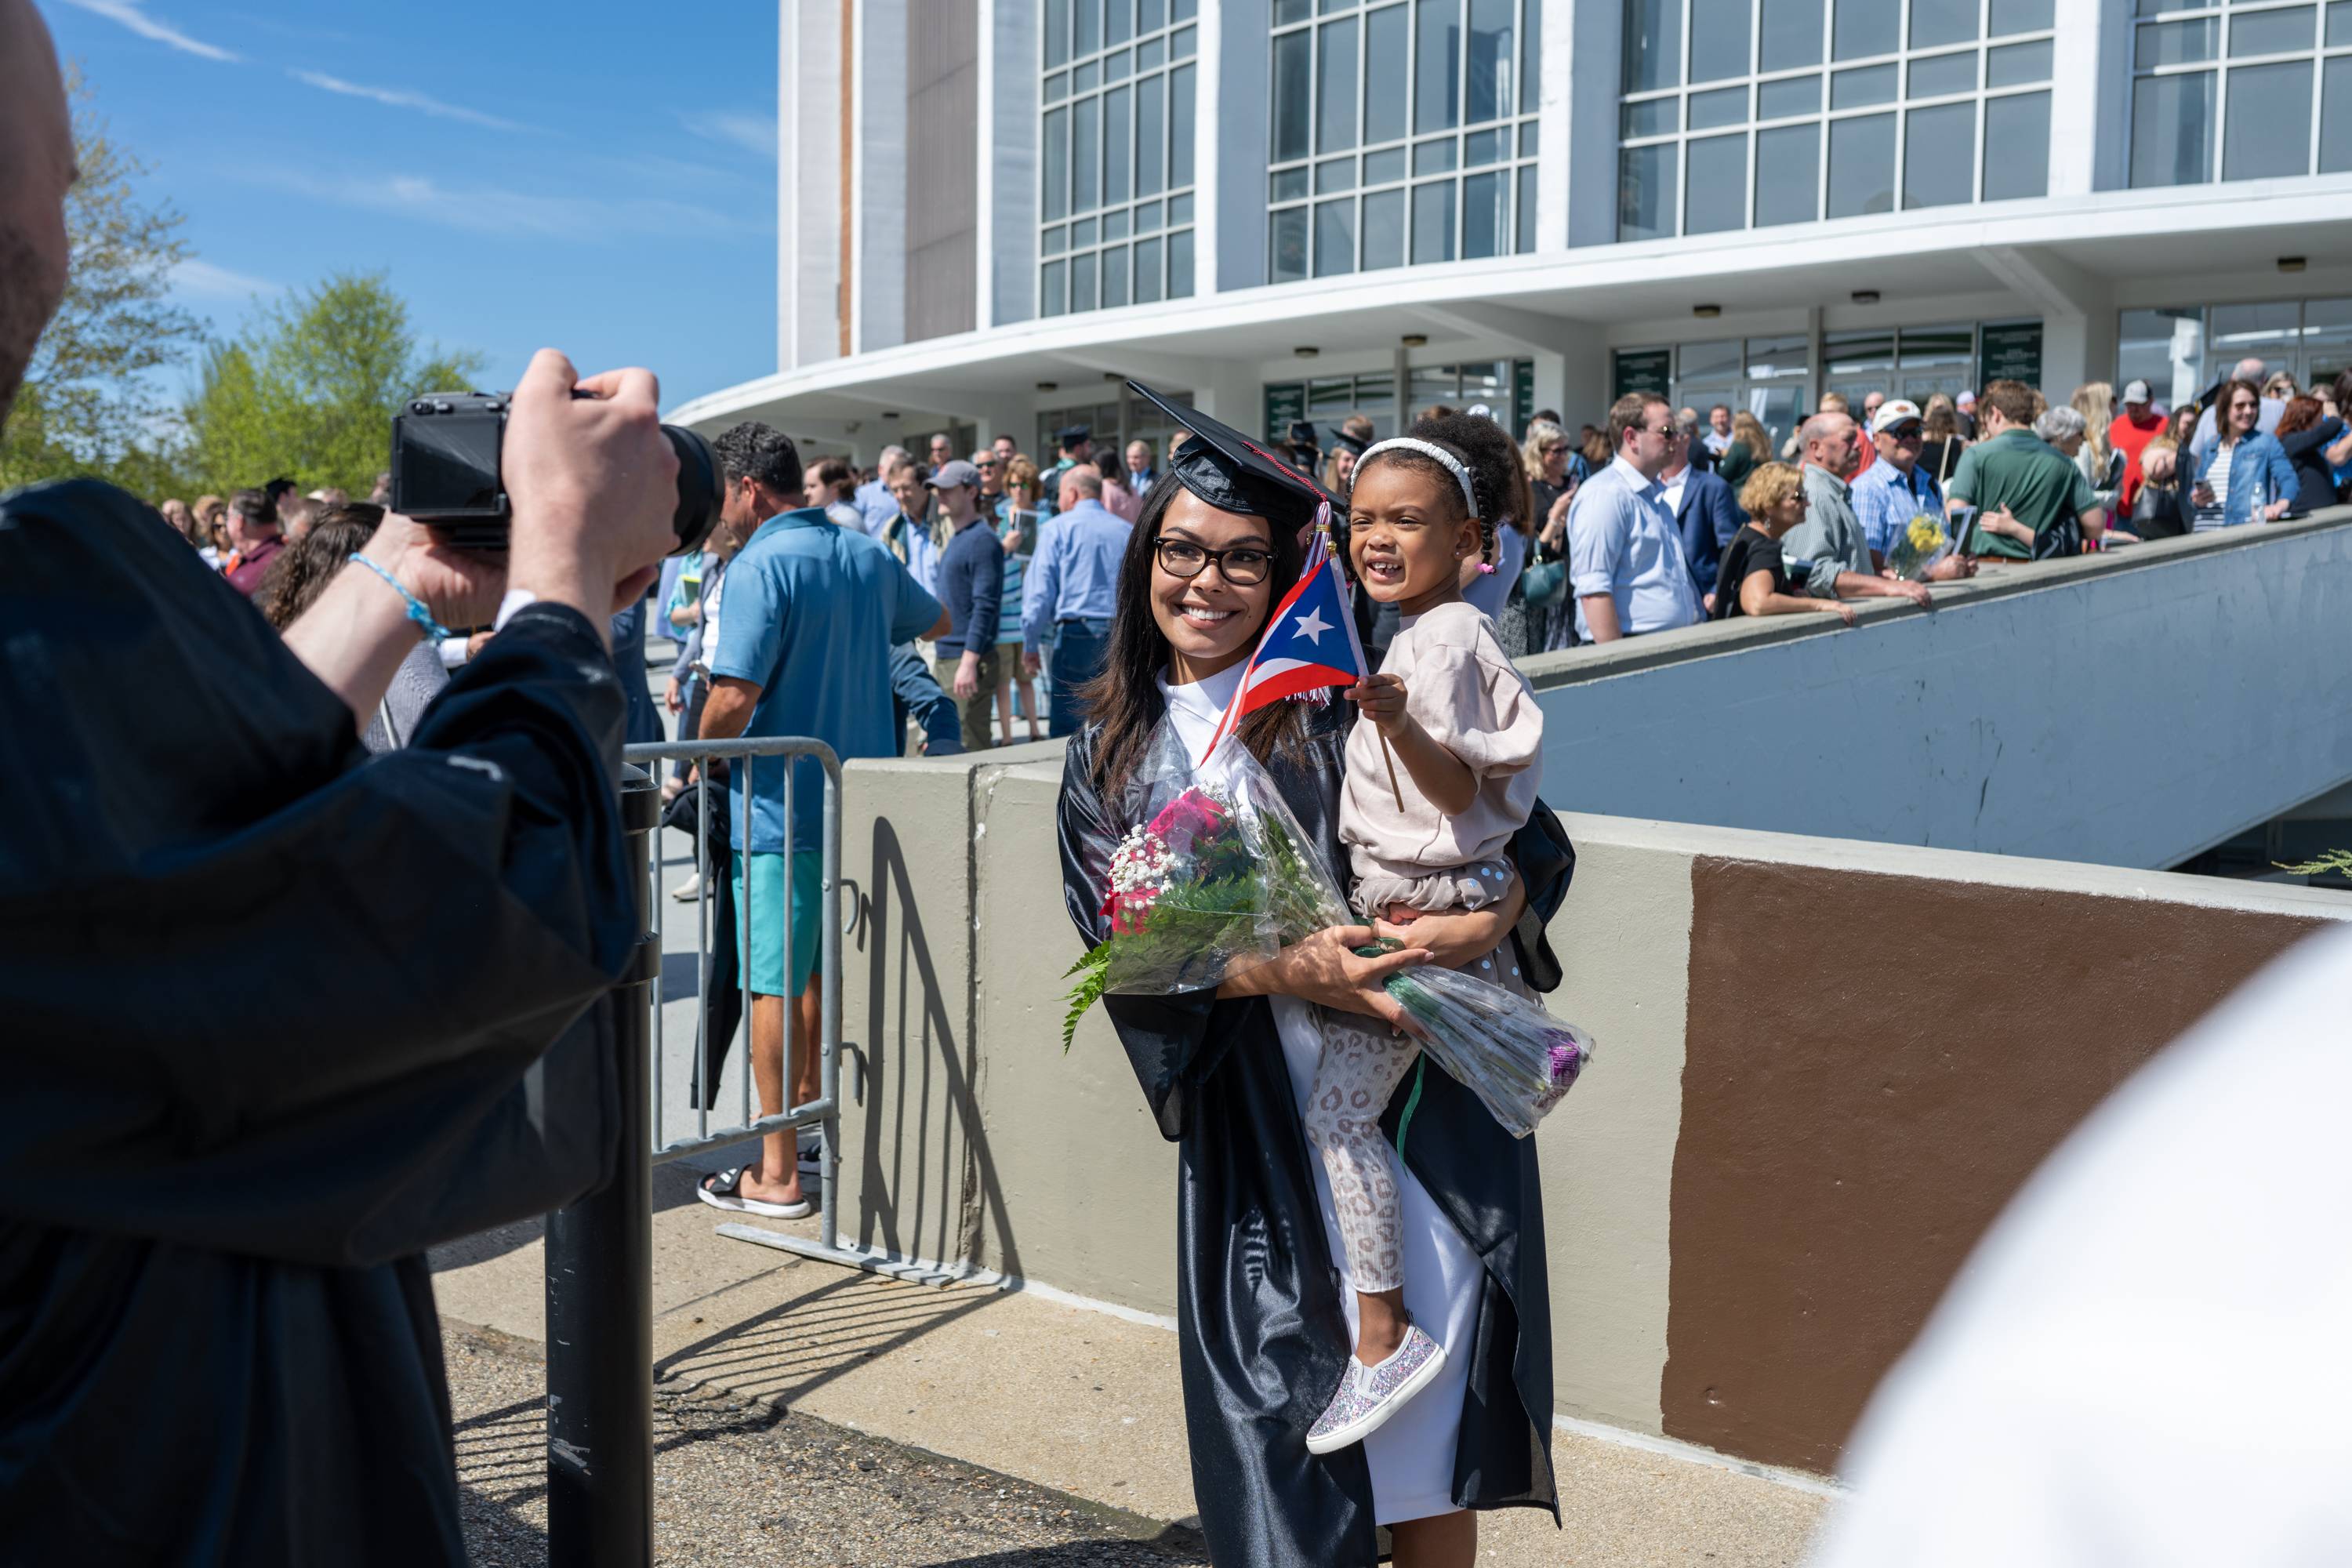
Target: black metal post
[{"x": 600, "y": 1350}]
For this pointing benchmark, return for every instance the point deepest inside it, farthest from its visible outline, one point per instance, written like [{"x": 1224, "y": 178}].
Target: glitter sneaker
[{"x": 1369, "y": 1395}]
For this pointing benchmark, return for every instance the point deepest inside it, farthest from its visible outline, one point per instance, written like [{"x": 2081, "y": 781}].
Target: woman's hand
[{"x": 1324, "y": 969}]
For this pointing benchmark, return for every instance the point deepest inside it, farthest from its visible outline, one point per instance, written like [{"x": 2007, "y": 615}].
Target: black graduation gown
[
  {"x": 275, "y": 1016},
  {"x": 1261, "y": 1326}
]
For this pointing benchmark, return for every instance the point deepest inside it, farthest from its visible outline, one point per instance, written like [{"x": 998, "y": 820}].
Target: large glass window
[
  {"x": 1115, "y": 169},
  {"x": 1400, "y": 130},
  {"x": 1747, "y": 113},
  {"x": 1506, "y": 386},
  {"x": 2182, "y": 351},
  {"x": 2239, "y": 90}
]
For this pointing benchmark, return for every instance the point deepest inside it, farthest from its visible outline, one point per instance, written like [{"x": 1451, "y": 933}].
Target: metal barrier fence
[{"x": 823, "y": 1111}]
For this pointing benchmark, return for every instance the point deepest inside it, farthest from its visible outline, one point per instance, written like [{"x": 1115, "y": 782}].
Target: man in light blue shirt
[
  {"x": 908, "y": 533},
  {"x": 1072, "y": 587},
  {"x": 803, "y": 648},
  {"x": 874, "y": 498},
  {"x": 1625, "y": 561}
]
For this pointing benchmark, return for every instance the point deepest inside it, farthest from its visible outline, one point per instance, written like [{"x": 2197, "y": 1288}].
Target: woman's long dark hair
[
  {"x": 1125, "y": 698},
  {"x": 304, "y": 568}
]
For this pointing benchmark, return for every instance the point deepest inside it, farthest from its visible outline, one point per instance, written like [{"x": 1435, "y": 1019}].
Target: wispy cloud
[
  {"x": 132, "y": 14},
  {"x": 742, "y": 128},
  {"x": 402, "y": 97},
  {"x": 202, "y": 280},
  {"x": 508, "y": 214}
]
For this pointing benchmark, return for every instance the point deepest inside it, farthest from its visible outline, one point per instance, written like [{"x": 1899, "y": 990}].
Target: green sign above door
[{"x": 2011, "y": 353}]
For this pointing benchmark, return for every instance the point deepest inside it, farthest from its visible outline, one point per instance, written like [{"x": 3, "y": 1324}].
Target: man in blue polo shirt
[
  {"x": 811, "y": 616},
  {"x": 1897, "y": 488}
]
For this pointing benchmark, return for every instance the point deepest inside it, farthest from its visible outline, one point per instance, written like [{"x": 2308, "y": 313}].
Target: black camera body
[{"x": 446, "y": 471}]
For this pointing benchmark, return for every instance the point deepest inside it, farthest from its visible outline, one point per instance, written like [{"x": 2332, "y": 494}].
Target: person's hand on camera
[
  {"x": 461, "y": 588},
  {"x": 593, "y": 483}
]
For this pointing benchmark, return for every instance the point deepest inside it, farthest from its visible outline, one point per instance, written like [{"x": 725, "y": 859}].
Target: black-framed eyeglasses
[{"x": 1243, "y": 565}]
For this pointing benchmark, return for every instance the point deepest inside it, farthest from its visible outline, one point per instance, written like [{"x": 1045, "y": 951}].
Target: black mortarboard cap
[
  {"x": 1233, "y": 473},
  {"x": 1071, "y": 435},
  {"x": 1355, "y": 444}
]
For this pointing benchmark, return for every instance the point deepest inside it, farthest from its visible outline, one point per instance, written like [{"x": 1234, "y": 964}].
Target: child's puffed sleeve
[{"x": 1475, "y": 702}]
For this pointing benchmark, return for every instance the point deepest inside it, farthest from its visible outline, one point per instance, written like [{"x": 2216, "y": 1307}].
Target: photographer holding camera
[{"x": 279, "y": 1015}]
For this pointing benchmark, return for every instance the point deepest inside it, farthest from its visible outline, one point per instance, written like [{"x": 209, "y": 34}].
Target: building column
[
  {"x": 2078, "y": 315},
  {"x": 1592, "y": 34},
  {"x": 2078, "y": 106},
  {"x": 1230, "y": 393},
  {"x": 878, "y": 298},
  {"x": 810, "y": 194},
  {"x": 1010, "y": 42}
]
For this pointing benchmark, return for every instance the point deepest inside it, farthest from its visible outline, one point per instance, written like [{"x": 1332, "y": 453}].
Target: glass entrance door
[{"x": 1779, "y": 406}]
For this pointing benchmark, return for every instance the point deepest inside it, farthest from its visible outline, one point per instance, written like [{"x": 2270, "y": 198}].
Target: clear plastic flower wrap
[
  {"x": 1917, "y": 546},
  {"x": 1216, "y": 876},
  {"x": 1504, "y": 1048},
  {"x": 1212, "y": 876}
]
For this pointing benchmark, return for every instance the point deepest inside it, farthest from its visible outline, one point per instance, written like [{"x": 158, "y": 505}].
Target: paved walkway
[
  {"x": 1075, "y": 1401},
  {"x": 815, "y": 1415}
]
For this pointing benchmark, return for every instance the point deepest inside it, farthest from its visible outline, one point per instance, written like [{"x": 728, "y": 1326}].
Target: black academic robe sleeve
[
  {"x": 1167, "y": 1039},
  {"x": 279, "y": 1016},
  {"x": 263, "y": 989}
]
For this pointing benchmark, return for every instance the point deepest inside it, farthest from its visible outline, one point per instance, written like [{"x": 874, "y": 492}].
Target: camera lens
[{"x": 699, "y": 494}]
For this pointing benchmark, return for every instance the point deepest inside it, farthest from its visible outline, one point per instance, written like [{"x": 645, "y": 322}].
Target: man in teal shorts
[{"x": 803, "y": 629}]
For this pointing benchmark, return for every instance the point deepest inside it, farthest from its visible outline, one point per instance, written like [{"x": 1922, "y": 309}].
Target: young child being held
[{"x": 1462, "y": 726}]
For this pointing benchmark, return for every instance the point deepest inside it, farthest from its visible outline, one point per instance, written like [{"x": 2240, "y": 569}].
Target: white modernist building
[{"x": 994, "y": 210}]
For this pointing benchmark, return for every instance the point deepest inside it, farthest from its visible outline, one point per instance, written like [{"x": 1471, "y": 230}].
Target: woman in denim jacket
[{"x": 2246, "y": 478}]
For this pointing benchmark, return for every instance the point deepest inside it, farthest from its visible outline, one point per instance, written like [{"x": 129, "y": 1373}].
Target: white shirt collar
[{"x": 1633, "y": 476}]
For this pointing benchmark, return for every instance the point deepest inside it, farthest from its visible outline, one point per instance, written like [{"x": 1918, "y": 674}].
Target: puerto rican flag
[{"x": 1309, "y": 644}]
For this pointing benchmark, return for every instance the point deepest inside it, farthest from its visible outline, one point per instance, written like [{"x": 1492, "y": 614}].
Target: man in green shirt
[{"x": 2032, "y": 503}]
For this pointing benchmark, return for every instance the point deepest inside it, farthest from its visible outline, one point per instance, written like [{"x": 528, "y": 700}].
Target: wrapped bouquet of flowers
[
  {"x": 1218, "y": 875},
  {"x": 1508, "y": 1050},
  {"x": 1923, "y": 542},
  {"x": 1208, "y": 882}
]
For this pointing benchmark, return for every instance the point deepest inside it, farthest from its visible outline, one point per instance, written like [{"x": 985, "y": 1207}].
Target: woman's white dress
[{"x": 1412, "y": 1457}]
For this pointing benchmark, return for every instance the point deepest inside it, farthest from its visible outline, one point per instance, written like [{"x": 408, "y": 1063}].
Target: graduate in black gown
[{"x": 1260, "y": 1317}]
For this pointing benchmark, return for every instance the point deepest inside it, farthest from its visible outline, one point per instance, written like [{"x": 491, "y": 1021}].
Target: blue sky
[{"x": 592, "y": 174}]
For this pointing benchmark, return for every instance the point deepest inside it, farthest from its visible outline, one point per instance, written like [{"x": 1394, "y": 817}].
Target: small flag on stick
[{"x": 1309, "y": 645}]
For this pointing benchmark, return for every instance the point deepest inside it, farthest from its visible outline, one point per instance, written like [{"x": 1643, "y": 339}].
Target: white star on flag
[{"x": 1312, "y": 625}]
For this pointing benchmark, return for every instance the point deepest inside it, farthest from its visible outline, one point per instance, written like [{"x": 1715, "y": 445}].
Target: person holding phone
[{"x": 2246, "y": 476}]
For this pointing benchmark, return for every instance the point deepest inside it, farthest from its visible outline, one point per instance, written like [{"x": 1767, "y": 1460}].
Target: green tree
[
  {"x": 90, "y": 404},
  {"x": 309, "y": 389}
]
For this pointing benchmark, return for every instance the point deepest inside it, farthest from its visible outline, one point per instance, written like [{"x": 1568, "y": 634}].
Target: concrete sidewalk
[{"x": 1065, "y": 1397}]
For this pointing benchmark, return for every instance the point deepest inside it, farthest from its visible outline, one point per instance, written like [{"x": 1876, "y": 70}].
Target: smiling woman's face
[{"x": 1209, "y": 620}]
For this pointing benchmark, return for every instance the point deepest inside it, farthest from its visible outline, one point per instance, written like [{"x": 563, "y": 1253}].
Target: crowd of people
[
  {"x": 1656, "y": 519},
  {"x": 1659, "y": 518}
]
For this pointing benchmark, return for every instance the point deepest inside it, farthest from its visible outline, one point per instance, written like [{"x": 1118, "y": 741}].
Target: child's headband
[{"x": 1451, "y": 464}]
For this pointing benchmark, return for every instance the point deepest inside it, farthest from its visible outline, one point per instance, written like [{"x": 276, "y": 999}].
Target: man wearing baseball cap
[
  {"x": 1892, "y": 490},
  {"x": 971, "y": 586},
  {"x": 2139, "y": 422}
]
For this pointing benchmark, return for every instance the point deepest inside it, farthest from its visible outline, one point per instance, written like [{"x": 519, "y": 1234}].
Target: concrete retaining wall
[
  {"x": 2131, "y": 708},
  {"x": 1825, "y": 1065}
]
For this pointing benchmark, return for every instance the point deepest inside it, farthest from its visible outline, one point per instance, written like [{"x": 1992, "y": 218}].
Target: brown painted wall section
[{"x": 1875, "y": 1066}]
